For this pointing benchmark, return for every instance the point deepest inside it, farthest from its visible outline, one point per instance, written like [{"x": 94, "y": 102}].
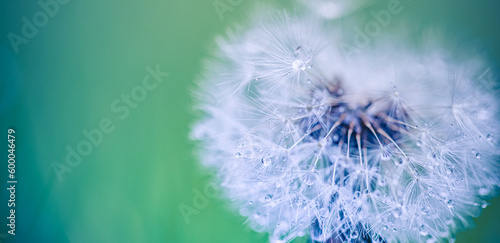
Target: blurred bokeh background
[{"x": 66, "y": 73}]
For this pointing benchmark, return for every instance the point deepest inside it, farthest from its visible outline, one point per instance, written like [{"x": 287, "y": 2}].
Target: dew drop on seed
[
  {"x": 385, "y": 156},
  {"x": 483, "y": 191},
  {"x": 484, "y": 205},
  {"x": 422, "y": 230},
  {"x": 299, "y": 64},
  {"x": 425, "y": 210},
  {"x": 303, "y": 57},
  {"x": 310, "y": 178},
  {"x": 397, "y": 212},
  {"x": 265, "y": 161},
  {"x": 450, "y": 203},
  {"x": 323, "y": 212}
]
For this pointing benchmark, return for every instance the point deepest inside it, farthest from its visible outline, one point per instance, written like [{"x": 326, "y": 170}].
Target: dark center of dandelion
[{"x": 353, "y": 127}]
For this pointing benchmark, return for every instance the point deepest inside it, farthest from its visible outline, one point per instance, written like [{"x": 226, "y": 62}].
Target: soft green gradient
[{"x": 129, "y": 188}]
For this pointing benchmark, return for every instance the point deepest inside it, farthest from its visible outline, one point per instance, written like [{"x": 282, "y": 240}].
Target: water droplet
[
  {"x": 237, "y": 154},
  {"x": 303, "y": 55},
  {"x": 310, "y": 178},
  {"x": 354, "y": 234},
  {"x": 268, "y": 197},
  {"x": 266, "y": 161},
  {"x": 483, "y": 191},
  {"x": 489, "y": 137},
  {"x": 484, "y": 205},
  {"x": 382, "y": 182},
  {"x": 419, "y": 143},
  {"x": 284, "y": 158},
  {"x": 478, "y": 156},
  {"x": 430, "y": 239},
  {"x": 299, "y": 64},
  {"x": 425, "y": 210},
  {"x": 400, "y": 161},
  {"x": 251, "y": 202},
  {"x": 385, "y": 227},
  {"x": 385, "y": 156},
  {"x": 398, "y": 211},
  {"x": 422, "y": 230},
  {"x": 450, "y": 203},
  {"x": 323, "y": 212}
]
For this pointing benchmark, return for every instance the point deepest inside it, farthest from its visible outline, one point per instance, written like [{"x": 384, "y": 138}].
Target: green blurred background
[{"x": 129, "y": 188}]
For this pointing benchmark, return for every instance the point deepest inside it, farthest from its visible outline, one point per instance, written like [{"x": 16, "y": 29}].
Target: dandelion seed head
[{"x": 391, "y": 145}]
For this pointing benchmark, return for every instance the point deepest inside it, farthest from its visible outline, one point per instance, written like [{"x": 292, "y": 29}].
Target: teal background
[{"x": 130, "y": 186}]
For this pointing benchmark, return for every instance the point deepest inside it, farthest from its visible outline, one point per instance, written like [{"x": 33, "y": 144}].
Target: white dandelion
[{"x": 391, "y": 144}]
